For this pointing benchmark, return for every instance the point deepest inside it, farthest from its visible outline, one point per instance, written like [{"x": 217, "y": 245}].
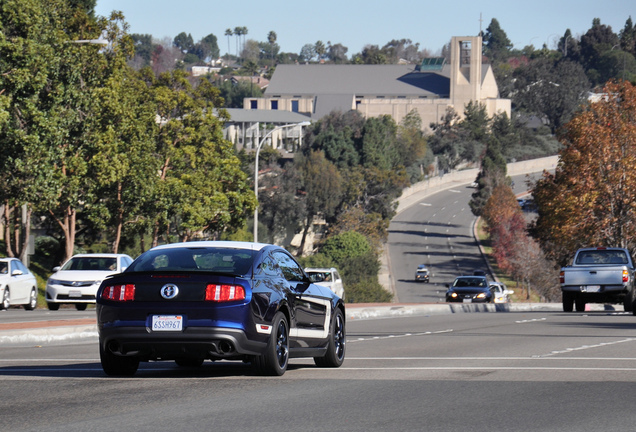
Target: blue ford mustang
[{"x": 193, "y": 301}]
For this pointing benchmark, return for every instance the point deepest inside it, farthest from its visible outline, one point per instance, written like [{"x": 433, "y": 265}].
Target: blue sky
[{"x": 356, "y": 23}]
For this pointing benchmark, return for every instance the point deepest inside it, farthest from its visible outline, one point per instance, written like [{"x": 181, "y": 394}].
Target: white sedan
[
  {"x": 77, "y": 280},
  {"x": 17, "y": 284},
  {"x": 500, "y": 292}
]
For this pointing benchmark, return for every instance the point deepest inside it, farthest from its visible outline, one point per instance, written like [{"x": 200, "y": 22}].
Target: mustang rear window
[{"x": 220, "y": 260}]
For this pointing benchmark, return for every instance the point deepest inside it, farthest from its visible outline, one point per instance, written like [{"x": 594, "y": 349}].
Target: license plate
[
  {"x": 468, "y": 300},
  {"x": 167, "y": 322},
  {"x": 74, "y": 294},
  {"x": 592, "y": 288}
]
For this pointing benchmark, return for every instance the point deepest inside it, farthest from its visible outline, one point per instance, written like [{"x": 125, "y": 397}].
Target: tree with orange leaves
[
  {"x": 505, "y": 225},
  {"x": 590, "y": 200}
]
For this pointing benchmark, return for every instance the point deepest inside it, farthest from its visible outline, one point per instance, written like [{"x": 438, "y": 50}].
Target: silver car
[
  {"x": 77, "y": 280},
  {"x": 328, "y": 277},
  {"x": 17, "y": 284}
]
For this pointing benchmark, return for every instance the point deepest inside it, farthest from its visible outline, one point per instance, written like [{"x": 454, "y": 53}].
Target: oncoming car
[
  {"x": 77, "y": 280},
  {"x": 469, "y": 289},
  {"x": 500, "y": 292},
  {"x": 193, "y": 301},
  {"x": 422, "y": 274},
  {"x": 17, "y": 285}
]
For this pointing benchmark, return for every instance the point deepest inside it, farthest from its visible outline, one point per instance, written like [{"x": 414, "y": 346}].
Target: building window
[
  {"x": 253, "y": 104},
  {"x": 464, "y": 55},
  {"x": 294, "y": 106},
  {"x": 273, "y": 104}
]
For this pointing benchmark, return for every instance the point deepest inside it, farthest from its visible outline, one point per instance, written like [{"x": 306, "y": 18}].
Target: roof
[
  {"x": 214, "y": 244},
  {"x": 360, "y": 80},
  {"x": 238, "y": 115}
]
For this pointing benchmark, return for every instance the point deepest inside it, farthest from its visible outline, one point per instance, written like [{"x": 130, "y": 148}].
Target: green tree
[
  {"x": 320, "y": 50},
  {"x": 184, "y": 42},
  {"x": 33, "y": 58},
  {"x": 378, "y": 143},
  {"x": 201, "y": 187},
  {"x": 552, "y": 89},
  {"x": 207, "y": 48},
  {"x": 491, "y": 175},
  {"x": 594, "y": 43},
  {"x": 322, "y": 187},
  {"x": 282, "y": 207},
  {"x": 337, "y": 53},
  {"x": 124, "y": 165},
  {"x": 497, "y": 46}
]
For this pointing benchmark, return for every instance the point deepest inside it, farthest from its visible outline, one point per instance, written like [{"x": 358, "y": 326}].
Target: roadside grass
[{"x": 520, "y": 293}]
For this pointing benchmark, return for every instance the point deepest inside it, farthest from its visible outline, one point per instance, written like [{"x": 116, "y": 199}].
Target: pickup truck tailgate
[{"x": 597, "y": 275}]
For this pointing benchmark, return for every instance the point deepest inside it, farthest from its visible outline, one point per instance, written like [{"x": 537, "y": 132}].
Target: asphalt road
[
  {"x": 436, "y": 231},
  {"x": 534, "y": 371}
]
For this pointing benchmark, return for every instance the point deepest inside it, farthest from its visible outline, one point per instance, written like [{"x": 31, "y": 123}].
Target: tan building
[{"x": 316, "y": 90}]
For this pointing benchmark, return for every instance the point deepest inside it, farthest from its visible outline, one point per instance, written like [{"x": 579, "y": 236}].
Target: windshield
[
  {"x": 602, "y": 257},
  {"x": 91, "y": 263},
  {"x": 219, "y": 260},
  {"x": 470, "y": 282}
]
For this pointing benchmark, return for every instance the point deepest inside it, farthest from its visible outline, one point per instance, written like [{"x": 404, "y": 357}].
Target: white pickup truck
[{"x": 598, "y": 275}]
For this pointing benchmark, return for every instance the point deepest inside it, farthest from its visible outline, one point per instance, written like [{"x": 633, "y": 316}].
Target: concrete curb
[{"x": 50, "y": 334}]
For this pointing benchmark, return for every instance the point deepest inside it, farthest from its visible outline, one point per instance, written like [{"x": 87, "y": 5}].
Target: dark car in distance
[
  {"x": 193, "y": 301},
  {"x": 469, "y": 289}
]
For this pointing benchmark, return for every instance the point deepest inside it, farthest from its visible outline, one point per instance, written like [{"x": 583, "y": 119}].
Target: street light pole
[{"x": 258, "y": 150}]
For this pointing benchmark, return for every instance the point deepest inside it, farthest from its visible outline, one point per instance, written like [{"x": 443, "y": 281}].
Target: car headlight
[
  {"x": 54, "y": 282},
  {"x": 481, "y": 295},
  {"x": 453, "y": 295}
]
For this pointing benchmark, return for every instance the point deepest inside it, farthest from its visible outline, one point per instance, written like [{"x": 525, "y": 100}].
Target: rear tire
[
  {"x": 568, "y": 301},
  {"x": 115, "y": 365},
  {"x": 628, "y": 303},
  {"x": 580, "y": 304},
  {"x": 276, "y": 356},
  {"x": 80, "y": 306},
  {"x": 334, "y": 357},
  {"x": 33, "y": 300}
]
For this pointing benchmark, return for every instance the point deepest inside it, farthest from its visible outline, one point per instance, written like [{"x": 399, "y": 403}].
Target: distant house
[
  {"x": 246, "y": 128},
  {"x": 204, "y": 70},
  {"x": 256, "y": 80},
  {"x": 373, "y": 90}
]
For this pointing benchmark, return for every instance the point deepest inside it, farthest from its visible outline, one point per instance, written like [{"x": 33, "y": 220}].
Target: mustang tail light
[
  {"x": 562, "y": 277},
  {"x": 224, "y": 293},
  {"x": 120, "y": 293},
  {"x": 625, "y": 276}
]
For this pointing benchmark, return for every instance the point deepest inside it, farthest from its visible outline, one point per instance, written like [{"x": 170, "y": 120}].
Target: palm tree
[
  {"x": 228, "y": 33},
  {"x": 271, "y": 38},
  {"x": 244, "y": 33},
  {"x": 238, "y": 31}
]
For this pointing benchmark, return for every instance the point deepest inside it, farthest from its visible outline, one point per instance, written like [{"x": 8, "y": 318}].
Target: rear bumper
[
  {"x": 197, "y": 342},
  {"x": 605, "y": 294}
]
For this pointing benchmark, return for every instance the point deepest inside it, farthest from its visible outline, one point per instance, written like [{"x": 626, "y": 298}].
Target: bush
[
  {"x": 367, "y": 291},
  {"x": 345, "y": 246},
  {"x": 46, "y": 246}
]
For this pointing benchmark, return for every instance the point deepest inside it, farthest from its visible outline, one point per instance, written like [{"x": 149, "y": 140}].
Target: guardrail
[{"x": 421, "y": 190}]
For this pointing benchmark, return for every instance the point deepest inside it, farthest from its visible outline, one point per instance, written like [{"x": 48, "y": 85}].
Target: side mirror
[
  {"x": 16, "y": 272},
  {"x": 447, "y": 285},
  {"x": 56, "y": 269},
  {"x": 510, "y": 292}
]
